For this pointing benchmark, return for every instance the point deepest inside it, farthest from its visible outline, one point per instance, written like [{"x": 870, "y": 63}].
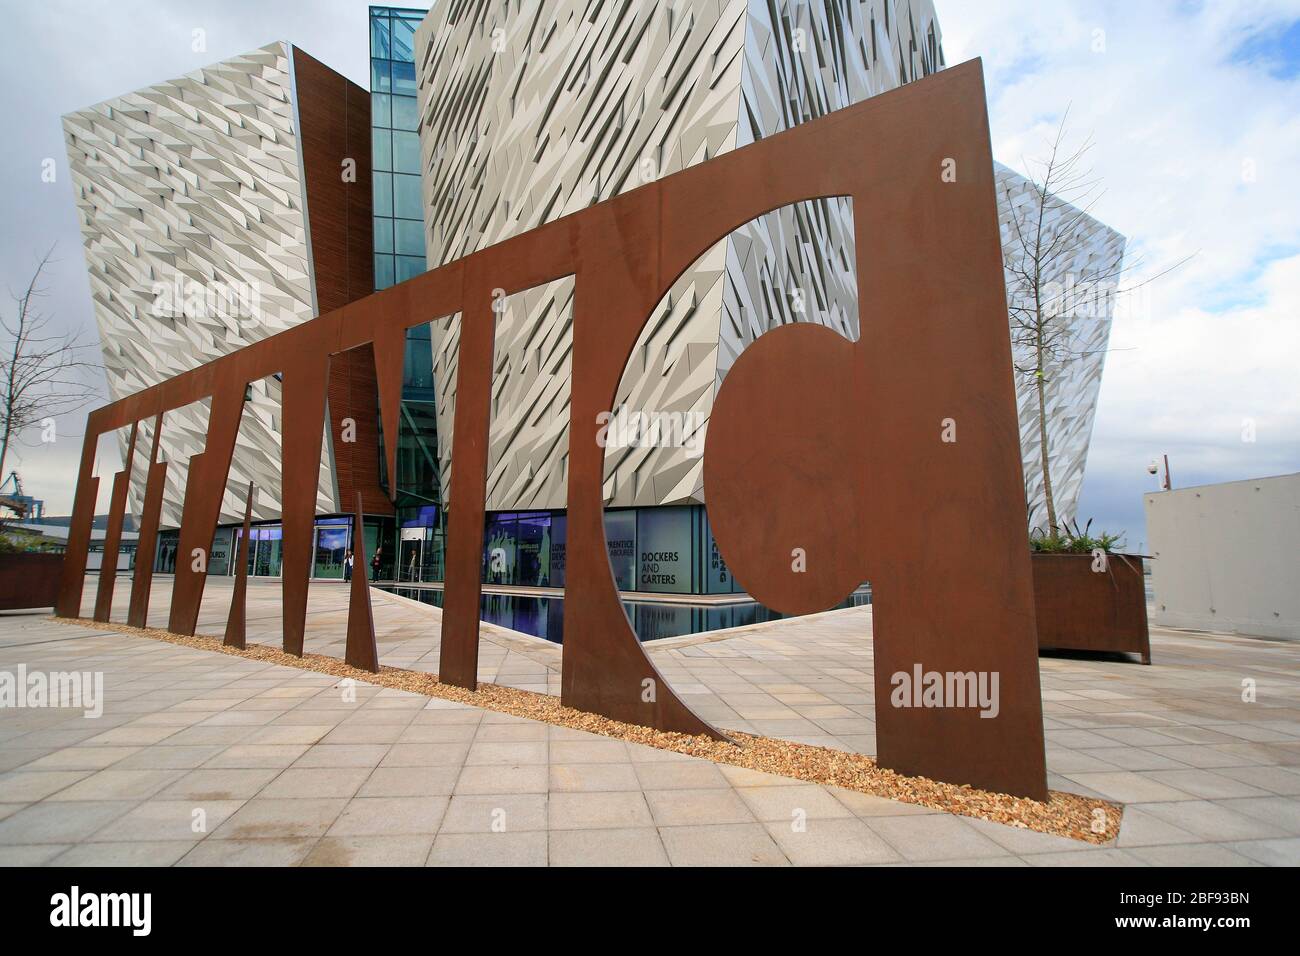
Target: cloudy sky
[{"x": 1194, "y": 108}]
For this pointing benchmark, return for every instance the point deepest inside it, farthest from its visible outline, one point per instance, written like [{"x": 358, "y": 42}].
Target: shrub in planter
[{"x": 1087, "y": 596}]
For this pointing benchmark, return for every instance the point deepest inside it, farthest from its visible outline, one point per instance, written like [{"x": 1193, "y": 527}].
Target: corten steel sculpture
[
  {"x": 361, "y": 650},
  {"x": 142, "y": 579},
  {"x": 816, "y": 443},
  {"x": 113, "y": 533},
  {"x": 236, "y": 622}
]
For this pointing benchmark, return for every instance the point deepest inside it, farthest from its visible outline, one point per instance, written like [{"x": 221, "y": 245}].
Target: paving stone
[
  {"x": 504, "y": 778},
  {"x": 264, "y": 818},
  {"x": 1128, "y": 787},
  {"x": 1213, "y": 820},
  {"x": 607, "y": 847},
  {"x": 26, "y": 786},
  {"x": 119, "y": 785},
  {"x": 83, "y": 758},
  {"x": 60, "y": 822},
  {"x": 343, "y": 755},
  {"x": 168, "y": 820},
  {"x": 410, "y": 782},
  {"x": 831, "y": 842},
  {"x": 528, "y": 848},
  {"x": 317, "y": 782},
  {"x": 405, "y": 850},
  {"x": 269, "y": 852},
  {"x": 495, "y": 813},
  {"x": 575, "y": 810},
  {"x": 933, "y": 837},
  {"x": 1284, "y": 852},
  {"x": 593, "y": 777},
  {"x": 688, "y": 807},
  {"x": 370, "y": 816},
  {"x": 204, "y": 784},
  {"x": 1095, "y": 856},
  {"x": 151, "y": 853},
  {"x": 425, "y": 755},
  {"x": 1279, "y": 812},
  {"x": 693, "y": 775},
  {"x": 867, "y": 805},
  {"x": 724, "y": 844},
  {"x": 784, "y": 804},
  {"x": 1190, "y": 854},
  {"x": 30, "y": 855},
  {"x": 251, "y": 756}
]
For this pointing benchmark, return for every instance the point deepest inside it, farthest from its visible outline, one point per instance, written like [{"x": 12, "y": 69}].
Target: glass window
[
  {"x": 403, "y": 46},
  {"x": 533, "y": 556},
  {"x": 219, "y": 558},
  {"x": 620, "y": 542},
  {"x": 717, "y": 576},
  {"x": 404, "y": 78},
  {"x": 408, "y": 267},
  {"x": 417, "y": 362},
  {"x": 268, "y": 559},
  {"x": 379, "y": 37},
  {"x": 405, "y": 112},
  {"x": 379, "y": 77},
  {"x": 331, "y": 546},
  {"x": 168, "y": 542},
  {"x": 380, "y": 109},
  {"x": 383, "y": 192},
  {"x": 383, "y": 235},
  {"x": 410, "y": 555},
  {"x": 406, "y": 199},
  {"x": 383, "y": 272},
  {"x": 410, "y": 237},
  {"x": 499, "y": 549},
  {"x": 559, "y": 534},
  {"x": 381, "y": 149},
  {"x": 664, "y": 545},
  {"x": 405, "y": 152}
]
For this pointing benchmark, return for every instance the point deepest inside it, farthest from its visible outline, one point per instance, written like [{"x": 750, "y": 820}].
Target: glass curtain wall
[
  {"x": 395, "y": 151},
  {"x": 399, "y": 255}
]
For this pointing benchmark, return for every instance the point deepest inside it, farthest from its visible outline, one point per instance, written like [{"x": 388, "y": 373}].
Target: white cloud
[{"x": 1198, "y": 151}]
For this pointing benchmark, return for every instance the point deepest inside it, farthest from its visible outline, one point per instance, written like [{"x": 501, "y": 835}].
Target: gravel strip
[{"x": 1064, "y": 814}]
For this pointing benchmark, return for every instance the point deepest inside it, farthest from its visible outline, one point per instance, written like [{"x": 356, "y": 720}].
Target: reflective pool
[{"x": 652, "y": 620}]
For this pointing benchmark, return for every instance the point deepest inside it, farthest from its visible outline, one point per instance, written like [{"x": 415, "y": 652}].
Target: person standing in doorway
[
  {"x": 347, "y": 565},
  {"x": 374, "y": 564}
]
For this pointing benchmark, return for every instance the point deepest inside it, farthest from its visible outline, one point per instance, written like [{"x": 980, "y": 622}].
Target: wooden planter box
[
  {"x": 1079, "y": 609},
  {"x": 29, "y": 580}
]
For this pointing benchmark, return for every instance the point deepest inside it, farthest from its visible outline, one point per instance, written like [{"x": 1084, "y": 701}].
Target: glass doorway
[
  {"x": 331, "y": 548},
  {"x": 411, "y": 556}
]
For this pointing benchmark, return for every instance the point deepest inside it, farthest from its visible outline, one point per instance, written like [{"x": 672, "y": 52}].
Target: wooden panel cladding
[
  {"x": 353, "y": 393},
  {"x": 334, "y": 126},
  {"x": 334, "y": 115}
]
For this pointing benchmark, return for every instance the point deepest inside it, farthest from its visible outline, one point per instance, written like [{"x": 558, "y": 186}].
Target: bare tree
[
  {"x": 42, "y": 371},
  {"x": 1050, "y": 286}
]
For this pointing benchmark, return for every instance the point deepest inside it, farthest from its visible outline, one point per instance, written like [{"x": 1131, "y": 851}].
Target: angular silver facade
[
  {"x": 532, "y": 113},
  {"x": 191, "y": 194},
  {"x": 1072, "y": 376}
]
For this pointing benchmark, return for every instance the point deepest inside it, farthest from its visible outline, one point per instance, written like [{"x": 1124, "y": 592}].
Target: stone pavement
[{"x": 206, "y": 759}]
